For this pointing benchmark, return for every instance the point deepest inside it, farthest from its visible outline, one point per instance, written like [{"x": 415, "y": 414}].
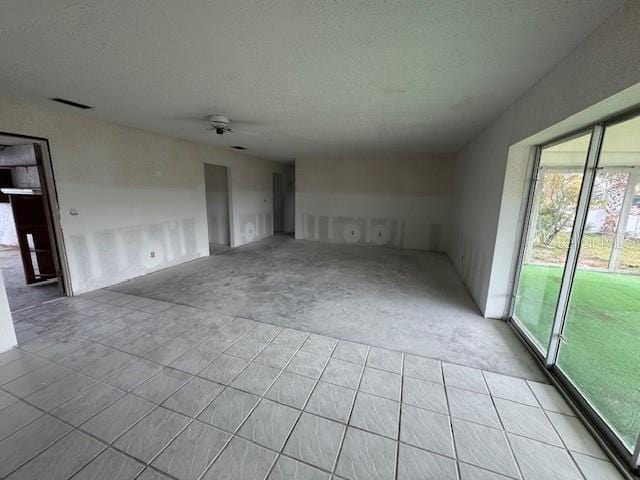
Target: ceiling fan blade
[
  {"x": 278, "y": 132},
  {"x": 248, "y": 132}
]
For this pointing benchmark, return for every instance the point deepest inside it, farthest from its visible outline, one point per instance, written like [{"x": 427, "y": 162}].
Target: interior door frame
[
  {"x": 278, "y": 180},
  {"x": 46, "y": 173},
  {"x": 227, "y": 175},
  {"x": 608, "y": 439}
]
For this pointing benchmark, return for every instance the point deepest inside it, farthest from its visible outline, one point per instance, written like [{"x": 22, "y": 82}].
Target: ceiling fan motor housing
[{"x": 219, "y": 123}]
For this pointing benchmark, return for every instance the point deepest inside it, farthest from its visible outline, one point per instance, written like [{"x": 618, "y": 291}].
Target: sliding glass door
[
  {"x": 600, "y": 351},
  {"x": 577, "y": 297},
  {"x": 553, "y": 211}
]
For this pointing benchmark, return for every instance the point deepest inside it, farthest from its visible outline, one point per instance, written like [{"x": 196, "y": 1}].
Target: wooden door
[{"x": 33, "y": 237}]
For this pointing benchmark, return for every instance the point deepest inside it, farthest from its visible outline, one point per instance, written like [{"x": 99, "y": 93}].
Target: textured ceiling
[{"x": 313, "y": 77}]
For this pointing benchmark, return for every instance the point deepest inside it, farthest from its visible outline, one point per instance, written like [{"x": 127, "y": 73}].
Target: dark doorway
[
  {"x": 278, "y": 204},
  {"x": 29, "y": 255},
  {"x": 217, "y": 197}
]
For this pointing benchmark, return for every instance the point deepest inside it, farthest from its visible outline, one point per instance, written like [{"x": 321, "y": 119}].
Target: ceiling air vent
[
  {"x": 64, "y": 101},
  {"x": 239, "y": 147}
]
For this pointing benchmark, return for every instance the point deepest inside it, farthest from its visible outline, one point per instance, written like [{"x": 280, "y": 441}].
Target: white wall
[
  {"x": 7, "y": 332},
  {"x": 399, "y": 202},
  {"x": 136, "y": 192},
  {"x": 599, "y": 78},
  {"x": 252, "y": 199},
  {"x": 8, "y": 234}
]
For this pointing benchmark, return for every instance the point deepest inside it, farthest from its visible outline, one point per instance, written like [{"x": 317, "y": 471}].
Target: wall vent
[{"x": 71, "y": 103}]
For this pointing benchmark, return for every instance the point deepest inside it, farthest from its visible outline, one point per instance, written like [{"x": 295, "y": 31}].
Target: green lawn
[{"x": 602, "y": 351}]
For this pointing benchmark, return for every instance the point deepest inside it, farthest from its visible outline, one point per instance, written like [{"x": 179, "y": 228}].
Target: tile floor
[{"x": 114, "y": 386}]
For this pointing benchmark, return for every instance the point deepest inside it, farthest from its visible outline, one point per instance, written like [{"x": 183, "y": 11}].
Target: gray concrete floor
[
  {"x": 19, "y": 293},
  {"x": 402, "y": 300}
]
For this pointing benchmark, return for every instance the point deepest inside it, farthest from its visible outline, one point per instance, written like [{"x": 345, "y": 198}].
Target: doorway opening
[
  {"x": 217, "y": 197},
  {"x": 278, "y": 204},
  {"x": 30, "y": 250}
]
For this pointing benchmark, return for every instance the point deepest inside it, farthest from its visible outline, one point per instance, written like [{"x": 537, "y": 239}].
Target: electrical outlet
[{"x": 153, "y": 254}]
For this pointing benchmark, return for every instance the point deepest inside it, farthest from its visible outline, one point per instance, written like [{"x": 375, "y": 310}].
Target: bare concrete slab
[{"x": 397, "y": 299}]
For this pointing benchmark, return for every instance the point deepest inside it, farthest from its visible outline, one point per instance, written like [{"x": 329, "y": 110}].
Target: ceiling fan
[{"x": 221, "y": 125}]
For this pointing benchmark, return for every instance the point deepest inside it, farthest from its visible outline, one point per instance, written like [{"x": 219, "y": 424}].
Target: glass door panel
[
  {"x": 600, "y": 348},
  {"x": 630, "y": 248},
  {"x": 553, "y": 210}
]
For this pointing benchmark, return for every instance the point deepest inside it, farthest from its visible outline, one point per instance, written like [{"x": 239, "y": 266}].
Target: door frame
[
  {"x": 227, "y": 171},
  {"x": 277, "y": 178},
  {"x": 44, "y": 161}
]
